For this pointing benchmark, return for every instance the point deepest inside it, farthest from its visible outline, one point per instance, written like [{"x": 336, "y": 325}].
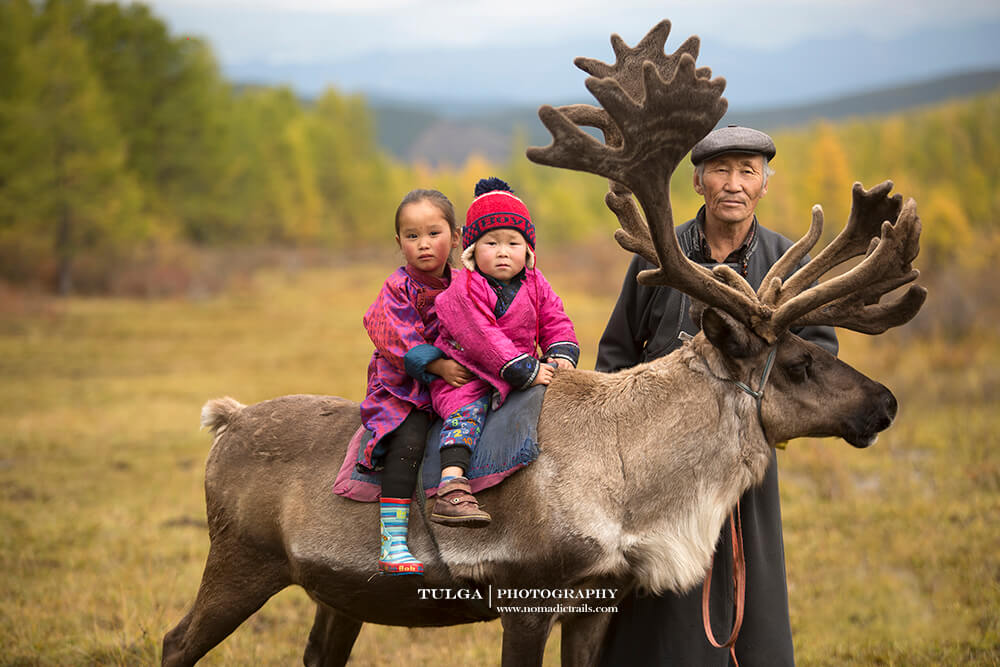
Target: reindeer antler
[
  {"x": 656, "y": 107},
  {"x": 658, "y": 110},
  {"x": 881, "y": 227},
  {"x": 627, "y": 71}
]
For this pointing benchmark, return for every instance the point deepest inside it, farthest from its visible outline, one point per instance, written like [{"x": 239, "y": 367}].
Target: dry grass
[{"x": 893, "y": 553}]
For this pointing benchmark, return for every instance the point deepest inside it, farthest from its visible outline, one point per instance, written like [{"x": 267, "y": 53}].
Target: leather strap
[
  {"x": 458, "y": 497},
  {"x": 739, "y": 586}
]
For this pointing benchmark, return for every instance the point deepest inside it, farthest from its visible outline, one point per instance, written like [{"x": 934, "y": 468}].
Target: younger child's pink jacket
[{"x": 470, "y": 333}]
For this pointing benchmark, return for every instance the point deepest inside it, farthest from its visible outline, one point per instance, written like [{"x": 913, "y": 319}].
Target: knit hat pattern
[{"x": 496, "y": 207}]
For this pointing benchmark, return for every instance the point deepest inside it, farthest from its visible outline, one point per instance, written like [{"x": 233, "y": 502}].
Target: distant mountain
[
  {"x": 418, "y": 133},
  {"x": 870, "y": 103},
  {"x": 458, "y": 81},
  {"x": 440, "y": 105}
]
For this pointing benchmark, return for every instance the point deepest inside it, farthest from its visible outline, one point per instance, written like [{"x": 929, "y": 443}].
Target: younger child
[
  {"x": 402, "y": 324},
  {"x": 492, "y": 320}
]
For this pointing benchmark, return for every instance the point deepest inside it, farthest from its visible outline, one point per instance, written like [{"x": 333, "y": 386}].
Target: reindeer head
[{"x": 654, "y": 108}]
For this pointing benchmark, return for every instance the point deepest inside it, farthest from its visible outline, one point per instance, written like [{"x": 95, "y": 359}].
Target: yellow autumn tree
[
  {"x": 827, "y": 179},
  {"x": 302, "y": 201},
  {"x": 946, "y": 235}
]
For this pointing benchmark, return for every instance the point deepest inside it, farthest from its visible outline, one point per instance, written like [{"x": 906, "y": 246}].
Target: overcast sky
[{"x": 308, "y": 31}]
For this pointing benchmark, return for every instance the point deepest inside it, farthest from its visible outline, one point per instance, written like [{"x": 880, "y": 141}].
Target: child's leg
[
  {"x": 404, "y": 449},
  {"x": 459, "y": 435},
  {"x": 455, "y": 505}
]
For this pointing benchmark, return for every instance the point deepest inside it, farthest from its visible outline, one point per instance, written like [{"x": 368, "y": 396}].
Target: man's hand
[
  {"x": 450, "y": 371},
  {"x": 563, "y": 364},
  {"x": 545, "y": 373}
]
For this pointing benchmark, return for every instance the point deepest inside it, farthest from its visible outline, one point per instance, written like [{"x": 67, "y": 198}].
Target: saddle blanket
[{"x": 508, "y": 443}]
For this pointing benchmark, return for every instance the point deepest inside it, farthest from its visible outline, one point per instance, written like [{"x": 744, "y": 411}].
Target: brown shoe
[{"x": 456, "y": 506}]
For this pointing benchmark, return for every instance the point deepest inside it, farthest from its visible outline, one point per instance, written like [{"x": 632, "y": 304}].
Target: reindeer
[{"x": 638, "y": 469}]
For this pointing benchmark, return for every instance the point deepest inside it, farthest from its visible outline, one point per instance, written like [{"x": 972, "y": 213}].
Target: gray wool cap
[{"x": 732, "y": 139}]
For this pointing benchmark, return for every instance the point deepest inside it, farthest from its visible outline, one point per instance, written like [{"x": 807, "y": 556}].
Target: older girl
[{"x": 402, "y": 324}]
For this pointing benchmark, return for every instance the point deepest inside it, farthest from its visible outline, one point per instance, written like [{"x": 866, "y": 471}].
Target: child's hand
[
  {"x": 563, "y": 364},
  {"x": 450, "y": 371},
  {"x": 545, "y": 373}
]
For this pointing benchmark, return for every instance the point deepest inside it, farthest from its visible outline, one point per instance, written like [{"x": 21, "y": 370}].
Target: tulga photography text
[{"x": 537, "y": 599}]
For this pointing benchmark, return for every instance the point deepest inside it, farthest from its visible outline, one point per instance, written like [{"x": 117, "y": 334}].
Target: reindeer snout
[
  {"x": 890, "y": 406},
  {"x": 884, "y": 410},
  {"x": 878, "y": 417}
]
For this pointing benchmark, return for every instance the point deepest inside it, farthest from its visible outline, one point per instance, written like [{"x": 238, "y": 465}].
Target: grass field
[{"x": 893, "y": 553}]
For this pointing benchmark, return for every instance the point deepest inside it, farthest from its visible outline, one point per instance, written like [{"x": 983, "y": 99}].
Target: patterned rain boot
[{"x": 394, "y": 515}]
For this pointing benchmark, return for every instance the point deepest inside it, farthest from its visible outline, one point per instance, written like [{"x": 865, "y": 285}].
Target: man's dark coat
[{"x": 667, "y": 629}]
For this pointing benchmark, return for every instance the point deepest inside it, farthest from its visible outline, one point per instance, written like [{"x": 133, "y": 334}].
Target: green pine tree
[
  {"x": 65, "y": 185},
  {"x": 171, "y": 105}
]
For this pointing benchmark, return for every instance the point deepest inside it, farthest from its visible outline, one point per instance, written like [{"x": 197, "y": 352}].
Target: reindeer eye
[{"x": 799, "y": 371}]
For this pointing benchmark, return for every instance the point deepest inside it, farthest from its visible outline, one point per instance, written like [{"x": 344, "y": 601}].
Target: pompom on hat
[{"x": 495, "y": 207}]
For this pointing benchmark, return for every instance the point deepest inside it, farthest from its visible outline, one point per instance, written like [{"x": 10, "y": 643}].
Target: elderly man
[{"x": 731, "y": 173}]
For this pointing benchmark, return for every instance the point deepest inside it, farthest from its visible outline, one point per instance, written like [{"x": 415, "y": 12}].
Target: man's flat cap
[{"x": 732, "y": 139}]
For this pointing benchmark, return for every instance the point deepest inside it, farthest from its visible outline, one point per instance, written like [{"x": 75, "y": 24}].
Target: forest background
[{"x": 206, "y": 238}]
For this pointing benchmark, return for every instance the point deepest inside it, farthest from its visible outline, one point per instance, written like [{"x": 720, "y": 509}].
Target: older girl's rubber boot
[{"x": 395, "y": 558}]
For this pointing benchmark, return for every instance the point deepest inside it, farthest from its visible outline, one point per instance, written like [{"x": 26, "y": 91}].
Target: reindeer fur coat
[{"x": 667, "y": 629}]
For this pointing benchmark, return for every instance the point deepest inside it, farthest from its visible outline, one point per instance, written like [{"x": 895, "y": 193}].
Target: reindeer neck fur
[
  {"x": 711, "y": 448},
  {"x": 643, "y": 480}
]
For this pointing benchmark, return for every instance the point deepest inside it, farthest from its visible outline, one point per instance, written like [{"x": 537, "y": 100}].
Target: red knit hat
[{"x": 496, "y": 207}]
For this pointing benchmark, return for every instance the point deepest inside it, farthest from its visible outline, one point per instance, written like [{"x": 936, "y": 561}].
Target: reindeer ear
[
  {"x": 696, "y": 310},
  {"x": 729, "y": 336}
]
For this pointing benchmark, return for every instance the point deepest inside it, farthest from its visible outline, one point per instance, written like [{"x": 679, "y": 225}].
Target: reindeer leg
[
  {"x": 582, "y": 636},
  {"x": 524, "y": 637},
  {"x": 236, "y": 583},
  {"x": 331, "y": 638}
]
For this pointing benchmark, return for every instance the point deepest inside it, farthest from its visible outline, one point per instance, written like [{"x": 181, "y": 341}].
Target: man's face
[{"x": 732, "y": 184}]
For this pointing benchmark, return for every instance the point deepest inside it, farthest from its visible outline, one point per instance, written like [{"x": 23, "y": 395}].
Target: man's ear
[
  {"x": 697, "y": 183},
  {"x": 729, "y": 336}
]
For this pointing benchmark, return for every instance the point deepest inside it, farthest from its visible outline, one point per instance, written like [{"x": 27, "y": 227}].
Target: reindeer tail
[{"x": 218, "y": 413}]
